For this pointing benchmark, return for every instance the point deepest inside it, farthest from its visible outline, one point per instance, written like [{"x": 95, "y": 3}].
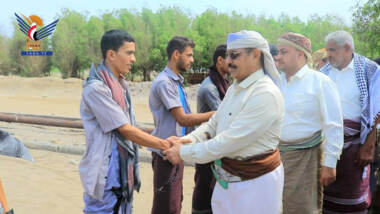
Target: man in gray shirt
[
  {"x": 109, "y": 167},
  {"x": 172, "y": 117},
  {"x": 210, "y": 95}
]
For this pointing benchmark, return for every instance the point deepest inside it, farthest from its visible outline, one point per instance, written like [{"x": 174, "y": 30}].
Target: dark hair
[
  {"x": 377, "y": 60},
  {"x": 273, "y": 50},
  {"x": 178, "y": 43},
  {"x": 220, "y": 51},
  {"x": 113, "y": 40}
]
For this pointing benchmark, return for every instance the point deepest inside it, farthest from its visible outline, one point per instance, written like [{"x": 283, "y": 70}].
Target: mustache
[{"x": 232, "y": 66}]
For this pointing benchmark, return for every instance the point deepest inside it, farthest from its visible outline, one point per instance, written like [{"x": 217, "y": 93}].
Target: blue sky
[{"x": 48, "y": 9}]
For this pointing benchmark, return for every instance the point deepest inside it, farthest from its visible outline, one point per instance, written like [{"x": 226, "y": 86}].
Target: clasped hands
[{"x": 172, "y": 154}]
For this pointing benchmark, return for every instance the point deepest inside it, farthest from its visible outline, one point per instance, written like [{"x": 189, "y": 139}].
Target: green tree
[
  {"x": 366, "y": 27},
  {"x": 95, "y": 31},
  {"x": 70, "y": 44},
  {"x": 4, "y": 55}
]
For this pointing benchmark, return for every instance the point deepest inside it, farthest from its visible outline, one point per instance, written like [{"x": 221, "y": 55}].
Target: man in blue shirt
[{"x": 172, "y": 117}]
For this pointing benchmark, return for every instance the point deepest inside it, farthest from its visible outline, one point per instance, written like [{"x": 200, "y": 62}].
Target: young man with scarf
[
  {"x": 172, "y": 117},
  {"x": 312, "y": 114},
  {"x": 354, "y": 76},
  {"x": 210, "y": 95},
  {"x": 109, "y": 168},
  {"x": 242, "y": 136}
]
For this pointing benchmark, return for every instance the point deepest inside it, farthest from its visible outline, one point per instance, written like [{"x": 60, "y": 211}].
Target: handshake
[{"x": 173, "y": 145}]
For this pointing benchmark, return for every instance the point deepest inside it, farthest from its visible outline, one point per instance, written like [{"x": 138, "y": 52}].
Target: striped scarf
[
  {"x": 365, "y": 70},
  {"x": 128, "y": 151}
]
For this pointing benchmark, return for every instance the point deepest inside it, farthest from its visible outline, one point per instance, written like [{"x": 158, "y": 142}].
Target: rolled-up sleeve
[
  {"x": 332, "y": 128},
  {"x": 108, "y": 113},
  {"x": 250, "y": 123}
]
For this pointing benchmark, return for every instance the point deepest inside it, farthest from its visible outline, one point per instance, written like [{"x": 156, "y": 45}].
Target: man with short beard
[
  {"x": 312, "y": 113},
  {"x": 172, "y": 117},
  {"x": 354, "y": 76}
]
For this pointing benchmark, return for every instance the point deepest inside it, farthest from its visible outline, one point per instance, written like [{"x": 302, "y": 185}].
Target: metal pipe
[{"x": 55, "y": 121}]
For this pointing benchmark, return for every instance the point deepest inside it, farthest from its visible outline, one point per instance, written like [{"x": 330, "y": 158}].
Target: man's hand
[
  {"x": 175, "y": 139},
  {"x": 166, "y": 144},
  {"x": 328, "y": 175},
  {"x": 172, "y": 154},
  {"x": 365, "y": 155}
]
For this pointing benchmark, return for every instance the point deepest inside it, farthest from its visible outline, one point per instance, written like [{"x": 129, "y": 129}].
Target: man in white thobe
[
  {"x": 243, "y": 135},
  {"x": 312, "y": 114}
]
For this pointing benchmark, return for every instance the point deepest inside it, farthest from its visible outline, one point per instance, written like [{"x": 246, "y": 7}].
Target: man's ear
[
  {"x": 175, "y": 55},
  {"x": 347, "y": 47},
  {"x": 220, "y": 60},
  {"x": 110, "y": 54}
]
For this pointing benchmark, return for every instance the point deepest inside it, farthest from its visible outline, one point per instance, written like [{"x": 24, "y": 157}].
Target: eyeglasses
[{"x": 233, "y": 55}]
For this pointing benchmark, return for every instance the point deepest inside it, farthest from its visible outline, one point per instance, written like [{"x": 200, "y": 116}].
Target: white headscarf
[{"x": 253, "y": 39}]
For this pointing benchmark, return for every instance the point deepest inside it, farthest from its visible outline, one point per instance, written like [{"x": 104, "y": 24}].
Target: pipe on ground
[{"x": 55, "y": 121}]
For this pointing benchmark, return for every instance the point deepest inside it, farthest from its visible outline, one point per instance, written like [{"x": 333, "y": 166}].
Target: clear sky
[{"x": 48, "y": 9}]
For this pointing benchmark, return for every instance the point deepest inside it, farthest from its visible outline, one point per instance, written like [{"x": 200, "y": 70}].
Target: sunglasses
[{"x": 233, "y": 55}]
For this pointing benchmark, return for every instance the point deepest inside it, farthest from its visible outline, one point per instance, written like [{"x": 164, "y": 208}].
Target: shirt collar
[
  {"x": 251, "y": 79},
  {"x": 172, "y": 75},
  {"x": 350, "y": 66},
  {"x": 297, "y": 75}
]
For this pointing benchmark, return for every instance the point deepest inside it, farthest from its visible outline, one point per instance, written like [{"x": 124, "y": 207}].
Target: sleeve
[
  {"x": 107, "y": 112},
  {"x": 332, "y": 128},
  {"x": 375, "y": 97},
  {"x": 212, "y": 99},
  {"x": 199, "y": 134},
  {"x": 252, "y": 121},
  {"x": 168, "y": 94}
]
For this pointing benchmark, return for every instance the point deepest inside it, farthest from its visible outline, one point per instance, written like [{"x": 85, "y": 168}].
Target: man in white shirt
[
  {"x": 243, "y": 135},
  {"x": 354, "y": 77},
  {"x": 312, "y": 111}
]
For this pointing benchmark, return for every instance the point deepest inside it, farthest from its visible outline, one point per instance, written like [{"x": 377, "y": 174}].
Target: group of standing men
[{"x": 281, "y": 138}]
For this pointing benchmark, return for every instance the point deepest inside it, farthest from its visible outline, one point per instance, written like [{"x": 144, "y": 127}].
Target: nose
[
  {"x": 191, "y": 59},
  {"x": 133, "y": 58},
  {"x": 277, "y": 57},
  {"x": 228, "y": 60}
]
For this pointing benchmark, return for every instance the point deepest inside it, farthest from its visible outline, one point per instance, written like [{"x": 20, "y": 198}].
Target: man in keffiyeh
[
  {"x": 210, "y": 95},
  {"x": 109, "y": 168},
  {"x": 355, "y": 77},
  {"x": 242, "y": 136}
]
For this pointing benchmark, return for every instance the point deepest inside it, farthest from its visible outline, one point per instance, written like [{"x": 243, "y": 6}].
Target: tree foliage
[
  {"x": 367, "y": 28},
  {"x": 76, "y": 40}
]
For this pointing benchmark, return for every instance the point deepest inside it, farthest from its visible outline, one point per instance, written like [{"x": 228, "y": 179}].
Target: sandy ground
[{"x": 51, "y": 184}]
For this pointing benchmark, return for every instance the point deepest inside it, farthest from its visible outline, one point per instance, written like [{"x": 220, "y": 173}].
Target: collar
[
  {"x": 172, "y": 75},
  {"x": 300, "y": 73},
  {"x": 350, "y": 66},
  {"x": 251, "y": 79}
]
